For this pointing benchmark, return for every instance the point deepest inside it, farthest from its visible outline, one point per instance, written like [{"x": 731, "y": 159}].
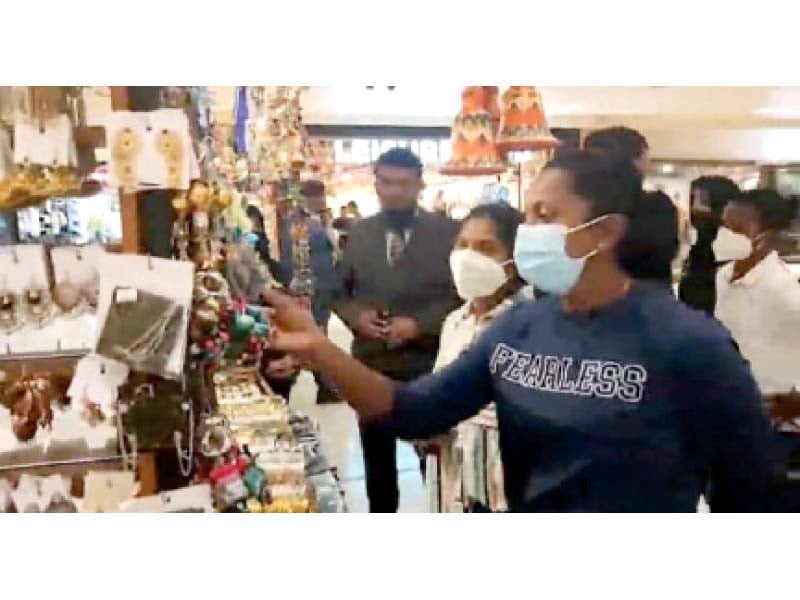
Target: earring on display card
[
  {"x": 68, "y": 297},
  {"x": 38, "y": 305},
  {"x": 170, "y": 146},
  {"x": 125, "y": 146},
  {"x": 9, "y": 320}
]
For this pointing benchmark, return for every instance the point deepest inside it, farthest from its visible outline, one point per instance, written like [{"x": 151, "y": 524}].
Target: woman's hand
[{"x": 293, "y": 329}]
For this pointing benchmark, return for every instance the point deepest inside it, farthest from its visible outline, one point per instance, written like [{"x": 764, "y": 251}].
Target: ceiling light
[{"x": 667, "y": 168}]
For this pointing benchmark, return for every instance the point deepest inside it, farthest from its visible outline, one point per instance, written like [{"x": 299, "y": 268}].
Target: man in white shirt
[{"x": 758, "y": 298}]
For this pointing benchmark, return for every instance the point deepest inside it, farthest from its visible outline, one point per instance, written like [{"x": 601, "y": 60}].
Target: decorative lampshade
[
  {"x": 523, "y": 125},
  {"x": 474, "y": 151},
  {"x": 493, "y": 105}
]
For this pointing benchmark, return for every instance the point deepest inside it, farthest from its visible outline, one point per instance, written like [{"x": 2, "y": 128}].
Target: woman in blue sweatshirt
[{"x": 611, "y": 395}]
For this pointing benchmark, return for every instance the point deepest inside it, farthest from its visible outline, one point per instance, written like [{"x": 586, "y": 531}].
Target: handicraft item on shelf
[
  {"x": 143, "y": 312},
  {"x": 25, "y": 299},
  {"x": 32, "y": 184},
  {"x": 140, "y": 330},
  {"x": 279, "y": 137},
  {"x": 321, "y": 163},
  {"x": 523, "y": 126},
  {"x": 154, "y": 410},
  {"x": 76, "y": 281},
  {"x": 151, "y": 150},
  {"x": 302, "y": 284},
  {"x": 222, "y": 328},
  {"x": 196, "y": 214},
  {"x": 30, "y": 401},
  {"x": 94, "y": 389},
  {"x": 473, "y": 137},
  {"x": 493, "y": 105},
  {"x": 45, "y": 157}
]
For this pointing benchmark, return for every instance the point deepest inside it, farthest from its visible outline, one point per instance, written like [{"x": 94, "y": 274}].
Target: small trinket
[{"x": 8, "y": 313}]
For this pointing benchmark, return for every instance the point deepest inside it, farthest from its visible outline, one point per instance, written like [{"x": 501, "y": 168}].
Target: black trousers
[
  {"x": 282, "y": 387},
  {"x": 379, "y": 446},
  {"x": 380, "y": 468}
]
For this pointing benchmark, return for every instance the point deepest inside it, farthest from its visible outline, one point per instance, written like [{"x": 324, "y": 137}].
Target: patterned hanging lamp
[
  {"x": 474, "y": 151},
  {"x": 493, "y": 105},
  {"x": 523, "y": 125}
]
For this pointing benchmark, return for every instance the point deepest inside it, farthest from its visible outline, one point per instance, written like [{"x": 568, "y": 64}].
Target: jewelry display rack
[
  {"x": 74, "y": 458},
  {"x": 86, "y": 139},
  {"x": 13, "y": 463}
]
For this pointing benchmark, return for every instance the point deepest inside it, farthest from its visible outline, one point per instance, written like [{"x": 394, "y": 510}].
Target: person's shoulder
[
  {"x": 366, "y": 222},
  {"x": 454, "y": 317},
  {"x": 366, "y": 226},
  {"x": 519, "y": 318},
  {"x": 780, "y": 272},
  {"x": 440, "y": 222},
  {"x": 723, "y": 276},
  {"x": 779, "y": 285},
  {"x": 680, "y": 330}
]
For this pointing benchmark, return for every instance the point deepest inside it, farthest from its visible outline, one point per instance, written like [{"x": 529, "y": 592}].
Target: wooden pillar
[
  {"x": 129, "y": 202},
  {"x": 148, "y": 477}
]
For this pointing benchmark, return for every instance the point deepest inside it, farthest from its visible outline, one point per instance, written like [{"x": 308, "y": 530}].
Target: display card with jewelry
[
  {"x": 25, "y": 301},
  {"x": 143, "y": 309},
  {"x": 37, "y": 494},
  {"x": 34, "y": 319},
  {"x": 140, "y": 330},
  {"x": 151, "y": 150},
  {"x": 76, "y": 279}
]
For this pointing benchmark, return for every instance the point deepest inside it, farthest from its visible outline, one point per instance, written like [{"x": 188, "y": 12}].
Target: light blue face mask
[{"x": 540, "y": 254}]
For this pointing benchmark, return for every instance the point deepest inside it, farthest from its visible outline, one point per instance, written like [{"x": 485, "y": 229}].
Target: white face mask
[
  {"x": 475, "y": 274},
  {"x": 730, "y": 245}
]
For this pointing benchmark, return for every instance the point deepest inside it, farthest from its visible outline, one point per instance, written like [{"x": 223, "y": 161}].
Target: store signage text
[{"x": 360, "y": 151}]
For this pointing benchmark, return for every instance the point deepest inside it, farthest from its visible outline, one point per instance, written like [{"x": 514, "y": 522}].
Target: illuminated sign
[{"x": 363, "y": 151}]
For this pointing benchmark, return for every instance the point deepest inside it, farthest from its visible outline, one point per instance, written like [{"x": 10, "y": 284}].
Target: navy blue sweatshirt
[{"x": 642, "y": 406}]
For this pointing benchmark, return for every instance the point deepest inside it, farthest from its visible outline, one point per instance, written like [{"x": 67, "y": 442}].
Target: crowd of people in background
[{"x": 612, "y": 384}]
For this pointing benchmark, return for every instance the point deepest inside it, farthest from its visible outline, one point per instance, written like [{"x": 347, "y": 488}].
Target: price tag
[{"x": 126, "y": 295}]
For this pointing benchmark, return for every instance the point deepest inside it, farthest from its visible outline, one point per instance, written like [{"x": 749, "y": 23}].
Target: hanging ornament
[
  {"x": 280, "y": 145},
  {"x": 493, "y": 106},
  {"x": 474, "y": 151},
  {"x": 523, "y": 125},
  {"x": 321, "y": 163}
]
